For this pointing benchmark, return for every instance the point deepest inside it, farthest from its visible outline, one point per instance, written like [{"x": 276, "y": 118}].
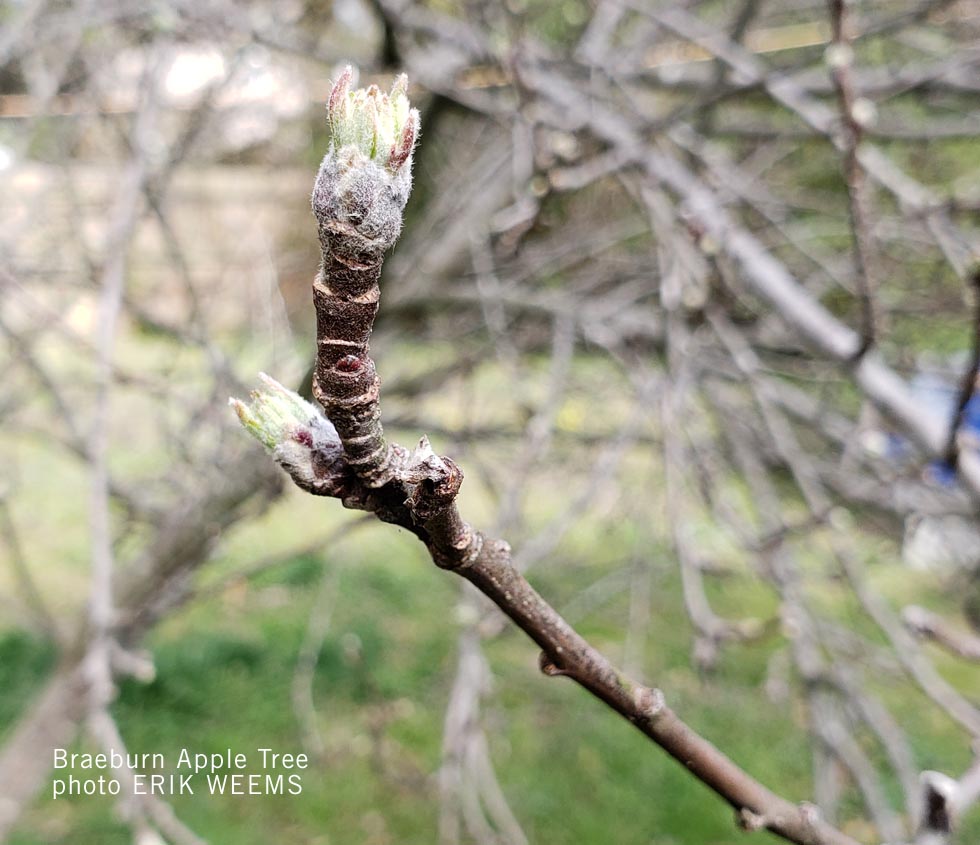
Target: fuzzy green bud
[
  {"x": 366, "y": 176},
  {"x": 274, "y": 414},
  {"x": 301, "y": 439},
  {"x": 382, "y": 127}
]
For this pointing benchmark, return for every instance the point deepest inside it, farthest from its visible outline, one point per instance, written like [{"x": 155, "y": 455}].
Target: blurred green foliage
[{"x": 573, "y": 771}]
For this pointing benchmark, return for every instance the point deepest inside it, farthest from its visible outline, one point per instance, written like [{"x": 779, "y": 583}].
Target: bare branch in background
[
  {"x": 855, "y": 114},
  {"x": 933, "y": 627}
]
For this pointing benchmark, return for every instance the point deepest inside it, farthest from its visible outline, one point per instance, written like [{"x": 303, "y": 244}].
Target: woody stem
[{"x": 345, "y": 380}]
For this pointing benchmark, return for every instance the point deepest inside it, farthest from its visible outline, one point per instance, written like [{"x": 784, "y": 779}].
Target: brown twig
[
  {"x": 854, "y": 116},
  {"x": 418, "y": 491}
]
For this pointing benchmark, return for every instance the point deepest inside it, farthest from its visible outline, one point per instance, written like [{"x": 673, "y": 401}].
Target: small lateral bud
[
  {"x": 549, "y": 667},
  {"x": 274, "y": 413},
  {"x": 349, "y": 364},
  {"x": 749, "y": 821},
  {"x": 810, "y": 814},
  {"x": 300, "y": 438},
  {"x": 649, "y": 702}
]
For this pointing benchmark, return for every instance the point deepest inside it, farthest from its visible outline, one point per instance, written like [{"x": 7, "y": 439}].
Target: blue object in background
[
  {"x": 971, "y": 415},
  {"x": 941, "y": 472},
  {"x": 935, "y": 392}
]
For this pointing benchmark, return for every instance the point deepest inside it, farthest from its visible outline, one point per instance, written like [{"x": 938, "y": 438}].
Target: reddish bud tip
[
  {"x": 338, "y": 94},
  {"x": 304, "y": 436},
  {"x": 403, "y": 146},
  {"x": 349, "y": 364}
]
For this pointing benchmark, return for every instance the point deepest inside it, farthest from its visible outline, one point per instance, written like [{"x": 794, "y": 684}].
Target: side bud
[{"x": 301, "y": 439}]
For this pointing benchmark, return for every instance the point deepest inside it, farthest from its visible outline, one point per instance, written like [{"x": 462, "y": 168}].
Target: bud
[
  {"x": 382, "y": 127},
  {"x": 366, "y": 176},
  {"x": 300, "y": 438}
]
